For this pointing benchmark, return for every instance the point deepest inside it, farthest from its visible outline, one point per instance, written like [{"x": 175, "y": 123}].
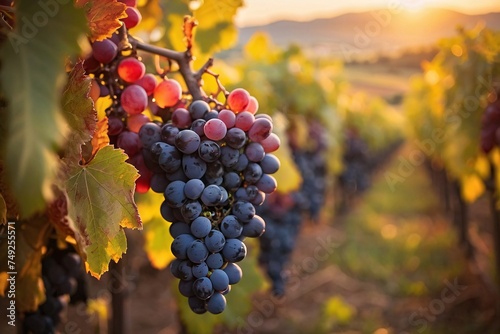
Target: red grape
[
  {"x": 215, "y": 129},
  {"x": 129, "y": 142},
  {"x": 271, "y": 143},
  {"x": 228, "y": 117},
  {"x": 148, "y": 82},
  {"x": 244, "y": 120},
  {"x": 260, "y": 130},
  {"x": 133, "y": 18},
  {"x": 104, "y": 51},
  {"x": 130, "y": 69},
  {"x": 168, "y": 93},
  {"x": 238, "y": 100},
  {"x": 134, "y": 99},
  {"x": 134, "y": 122},
  {"x": 181, "y": 118},
  {"x": 253, "y": 105},
  {"x": 115, "y": 125},
  {"x": 142, "y": 184}
]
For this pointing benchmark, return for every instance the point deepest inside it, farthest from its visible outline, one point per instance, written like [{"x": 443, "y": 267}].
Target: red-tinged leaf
[
  {"x": 189, "y": 24},
  {"x": 99, "y": 140},
  {"x": 103, "y": 17},
  {"x": 57, "y": 212},
  {"x": 78, "y": 109},
  {"x": 101, "y": 204}
]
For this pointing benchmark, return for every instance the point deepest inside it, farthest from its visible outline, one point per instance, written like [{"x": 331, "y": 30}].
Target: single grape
[
  {"x": 181, "y": 118},
  {"x": 228, "y": 117},
  {"x": 238, "y": 100},
  {"x": 148, "y": 82},
  {"x": 135, "y": 122},
  {"x": 129, "y": 142},
  {"x": 215, "y": 129},
  {"x": 215, "y": 241},
  {"x": 270, "y": 164},
  {"x": 134, "y": 99},
  {"x": 187, "y": 141},
  {"x": 255, "y": 227},
  {"x": 215, "y": 261},
  {"x": 104, "y": 51},
  {"x": 174, "y": 194},
  {"x": 149, "y": 134},
  {"x": 198, "y": 109},
  {"x": 260, "y": 130},
  {"x": 244, "y": 120},
  {"x": 133, "y": 18},
  {"x": 167, "y": 93},
  {"x": 194, "y": 188},
  {"x": 234, "y": 250},
  {"x": 236, "y": 138},
  {"x": 231, "y": 227},
  {"x": 267, "y": 184},
  {"x": 209, "y": 151},
  {"x": 197, "y": 252},
  {"x": 130, "y": 70},
  {"x": 253, "y": 105},
  {"x": 180, "y": 246},
  {"x": 271, "y": 143},
  {"x": 244, "y": 211},
  {"x": 203, "y": 288},
  {"x": 201, "y": 227},
  {"x": 255, "y": 152},
  {"x": 233, "y": 272},
  {"x": 219, "y": 279}
]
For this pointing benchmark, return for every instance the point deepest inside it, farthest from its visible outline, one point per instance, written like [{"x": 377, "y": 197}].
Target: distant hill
[{"x": 354, "y": 34}]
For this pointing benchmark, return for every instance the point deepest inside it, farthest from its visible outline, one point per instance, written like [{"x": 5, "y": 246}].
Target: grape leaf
[
  {"x": 32, "y": 71},
  {"x": 99, "y": 140},
  {"x": 79, "y": 112},
  {"x": 239, "y": 300},
  {"x": 101, "y": 204},
  {"x": 156, "y": 230},
  {"x": 30, "y": 237},
  {"x": 216, "y": 30},
  {"x": 3, "y": 211},
  {"x": 103, "y": 17}
]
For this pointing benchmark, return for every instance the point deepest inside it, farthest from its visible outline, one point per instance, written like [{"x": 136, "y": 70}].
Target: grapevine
[{"x": 211, "y": 159}]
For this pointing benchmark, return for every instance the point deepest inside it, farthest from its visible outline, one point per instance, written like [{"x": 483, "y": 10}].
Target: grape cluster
[
  {"x": 490, "y": 126},
  {"x": 64, "y": 281},
  {"x": 284, "y": 213},
  {"x": 283, "y": 219},
  {"x": 213, "y": 167},
  {"x": 211, "y": 160}
]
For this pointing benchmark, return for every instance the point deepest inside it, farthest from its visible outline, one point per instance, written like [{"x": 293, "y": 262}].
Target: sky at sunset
[{"x": 257, "y": 12}]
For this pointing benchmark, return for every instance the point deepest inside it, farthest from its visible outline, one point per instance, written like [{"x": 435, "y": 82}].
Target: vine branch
[{"x": 184, "y": 60}]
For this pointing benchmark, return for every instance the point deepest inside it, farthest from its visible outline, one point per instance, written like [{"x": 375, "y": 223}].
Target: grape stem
[{"x": 184, "y": 60}]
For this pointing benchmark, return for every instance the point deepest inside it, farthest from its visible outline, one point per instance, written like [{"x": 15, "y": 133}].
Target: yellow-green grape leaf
[
  {"x": 101, "y": 204},
  {"x": 239, "y": 299},
  {"x": 33, "y": 69},
  {"x": 103, "y": 17},
  {"x": 30, "y": 237},
  {"x": 78, "y": 110},
  {"x": 216, "y": 30},
  {"x": 472, "y": 187},
  {"x": 156, "y": 230},
  {"x": 3, "y": 211}
]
